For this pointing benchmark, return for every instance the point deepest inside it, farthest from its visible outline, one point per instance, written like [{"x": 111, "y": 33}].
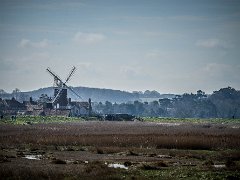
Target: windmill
[{"x": 60, "y": 99}]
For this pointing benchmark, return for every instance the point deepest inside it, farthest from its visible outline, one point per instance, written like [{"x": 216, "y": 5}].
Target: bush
[{"x": 59, "y": 161}]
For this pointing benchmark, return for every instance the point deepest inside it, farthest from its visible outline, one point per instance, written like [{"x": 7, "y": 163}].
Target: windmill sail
[{"x": 60, "y": 88}]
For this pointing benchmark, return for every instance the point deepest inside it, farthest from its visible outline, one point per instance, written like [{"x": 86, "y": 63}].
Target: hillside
[{"x": 96, "y": 94}]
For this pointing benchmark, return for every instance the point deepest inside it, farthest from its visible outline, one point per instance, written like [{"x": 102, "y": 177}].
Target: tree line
[{"x": 224, "y": 103}]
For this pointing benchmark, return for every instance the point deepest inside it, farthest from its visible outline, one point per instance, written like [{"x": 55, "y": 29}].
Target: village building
[
  {"x": 59, "y": 105},
  {"x": 11, "y": 107}
]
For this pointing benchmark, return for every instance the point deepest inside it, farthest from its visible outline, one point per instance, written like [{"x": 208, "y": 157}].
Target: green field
[
  {"x": 190, "y": 120},
  {"x": 61, "y": 119},
  {"x": 39, "y": 119}
]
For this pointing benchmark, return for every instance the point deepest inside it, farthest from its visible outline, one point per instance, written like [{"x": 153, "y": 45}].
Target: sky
[{"x": 170, "y": 46}]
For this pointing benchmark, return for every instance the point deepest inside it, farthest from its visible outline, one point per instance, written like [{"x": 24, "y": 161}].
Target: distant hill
[{"x": 97, "y": 94}]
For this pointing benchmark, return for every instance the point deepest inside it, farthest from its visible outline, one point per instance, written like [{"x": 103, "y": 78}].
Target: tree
[
  {"x": 138, "y": 108},
  {"x": 23, "y": 97},
  {"x": 151, "y": 94},
  {"x": 98, "y": 108},
  {"x": 16, "y": 93},
  {"x": 224, "y": 103},
  {"x": 227, "y": 102},
  {"x": 2, "y": 92},
  {"x": 108, "y": 109},
  {"x": 165, "y": 103},
  {"x": 201, "y": 94},
  {"x": 44, "y": 98}
]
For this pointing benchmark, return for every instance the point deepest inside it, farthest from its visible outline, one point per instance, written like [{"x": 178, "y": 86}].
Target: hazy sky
[{"x": 164, "y": 45}]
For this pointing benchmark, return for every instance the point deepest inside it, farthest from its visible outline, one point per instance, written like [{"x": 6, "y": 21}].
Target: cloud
[
  {"x": 213, "y": 43},
  {"x": 153, "y": 54},
  {"x": 6, "y": 64},
  {"x": 187, "y": 18},
  {"x": 25, "y": 71},
  {"x": 89, "y": 69},
  {"x": 215, "y": 67},
  {"x": 218, "y": 73},
  {"x": 121, "y": 32},
  {"x": 84, "y": 66},
  {"x": 25, "y": 43},
  {"x": 131, "y": 72},
  {"x": 88, "y": 38},
  {"x": 221, "y": 69},
  {"x": 51, "y": 5}
]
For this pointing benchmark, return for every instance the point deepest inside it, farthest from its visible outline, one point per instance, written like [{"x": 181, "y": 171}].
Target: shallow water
[
  {"x": 219, "y": 165},
  {"x": 34, "y": 157},
  {"x": 168, "y": 124},
  {"x": 116, "y": 165}
]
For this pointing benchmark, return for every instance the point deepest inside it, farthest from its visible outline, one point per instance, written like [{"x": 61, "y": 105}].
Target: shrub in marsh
[
  {"x": 131, "y": 153},
  {"x": 230, "y": 163},
  {"x": 208, "y": 163},
  {"x": 153, "y": 166},
  {"x": 98, "y": 169},
  {"x": 148, "y": 167},
  {"x": 161, "y": 164},
  {"x": 59, "y": 161},
  {"x": 127, "y": 163},
  {"x": 145, "y": 166},
  {"x": 99, "y": 151}
]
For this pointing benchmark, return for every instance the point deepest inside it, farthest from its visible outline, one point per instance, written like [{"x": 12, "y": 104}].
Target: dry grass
[
  {"x": 138, "y": 135},
  {"x": 147, "y": 148}
]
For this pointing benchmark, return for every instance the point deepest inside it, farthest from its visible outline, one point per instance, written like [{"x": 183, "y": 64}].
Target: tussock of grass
[
  {"x": 154, "y": 166},
  {"x": 99, "y": 151},
  {"x": 59, "y": 161}
]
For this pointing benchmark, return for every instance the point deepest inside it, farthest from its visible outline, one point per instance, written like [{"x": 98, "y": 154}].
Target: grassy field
[
  {"x": 190, "y": 120},
  {"x": 61, "y": 119},
  {"x": 21, "y": 120},
  {"x": 157, "y": 148}
]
